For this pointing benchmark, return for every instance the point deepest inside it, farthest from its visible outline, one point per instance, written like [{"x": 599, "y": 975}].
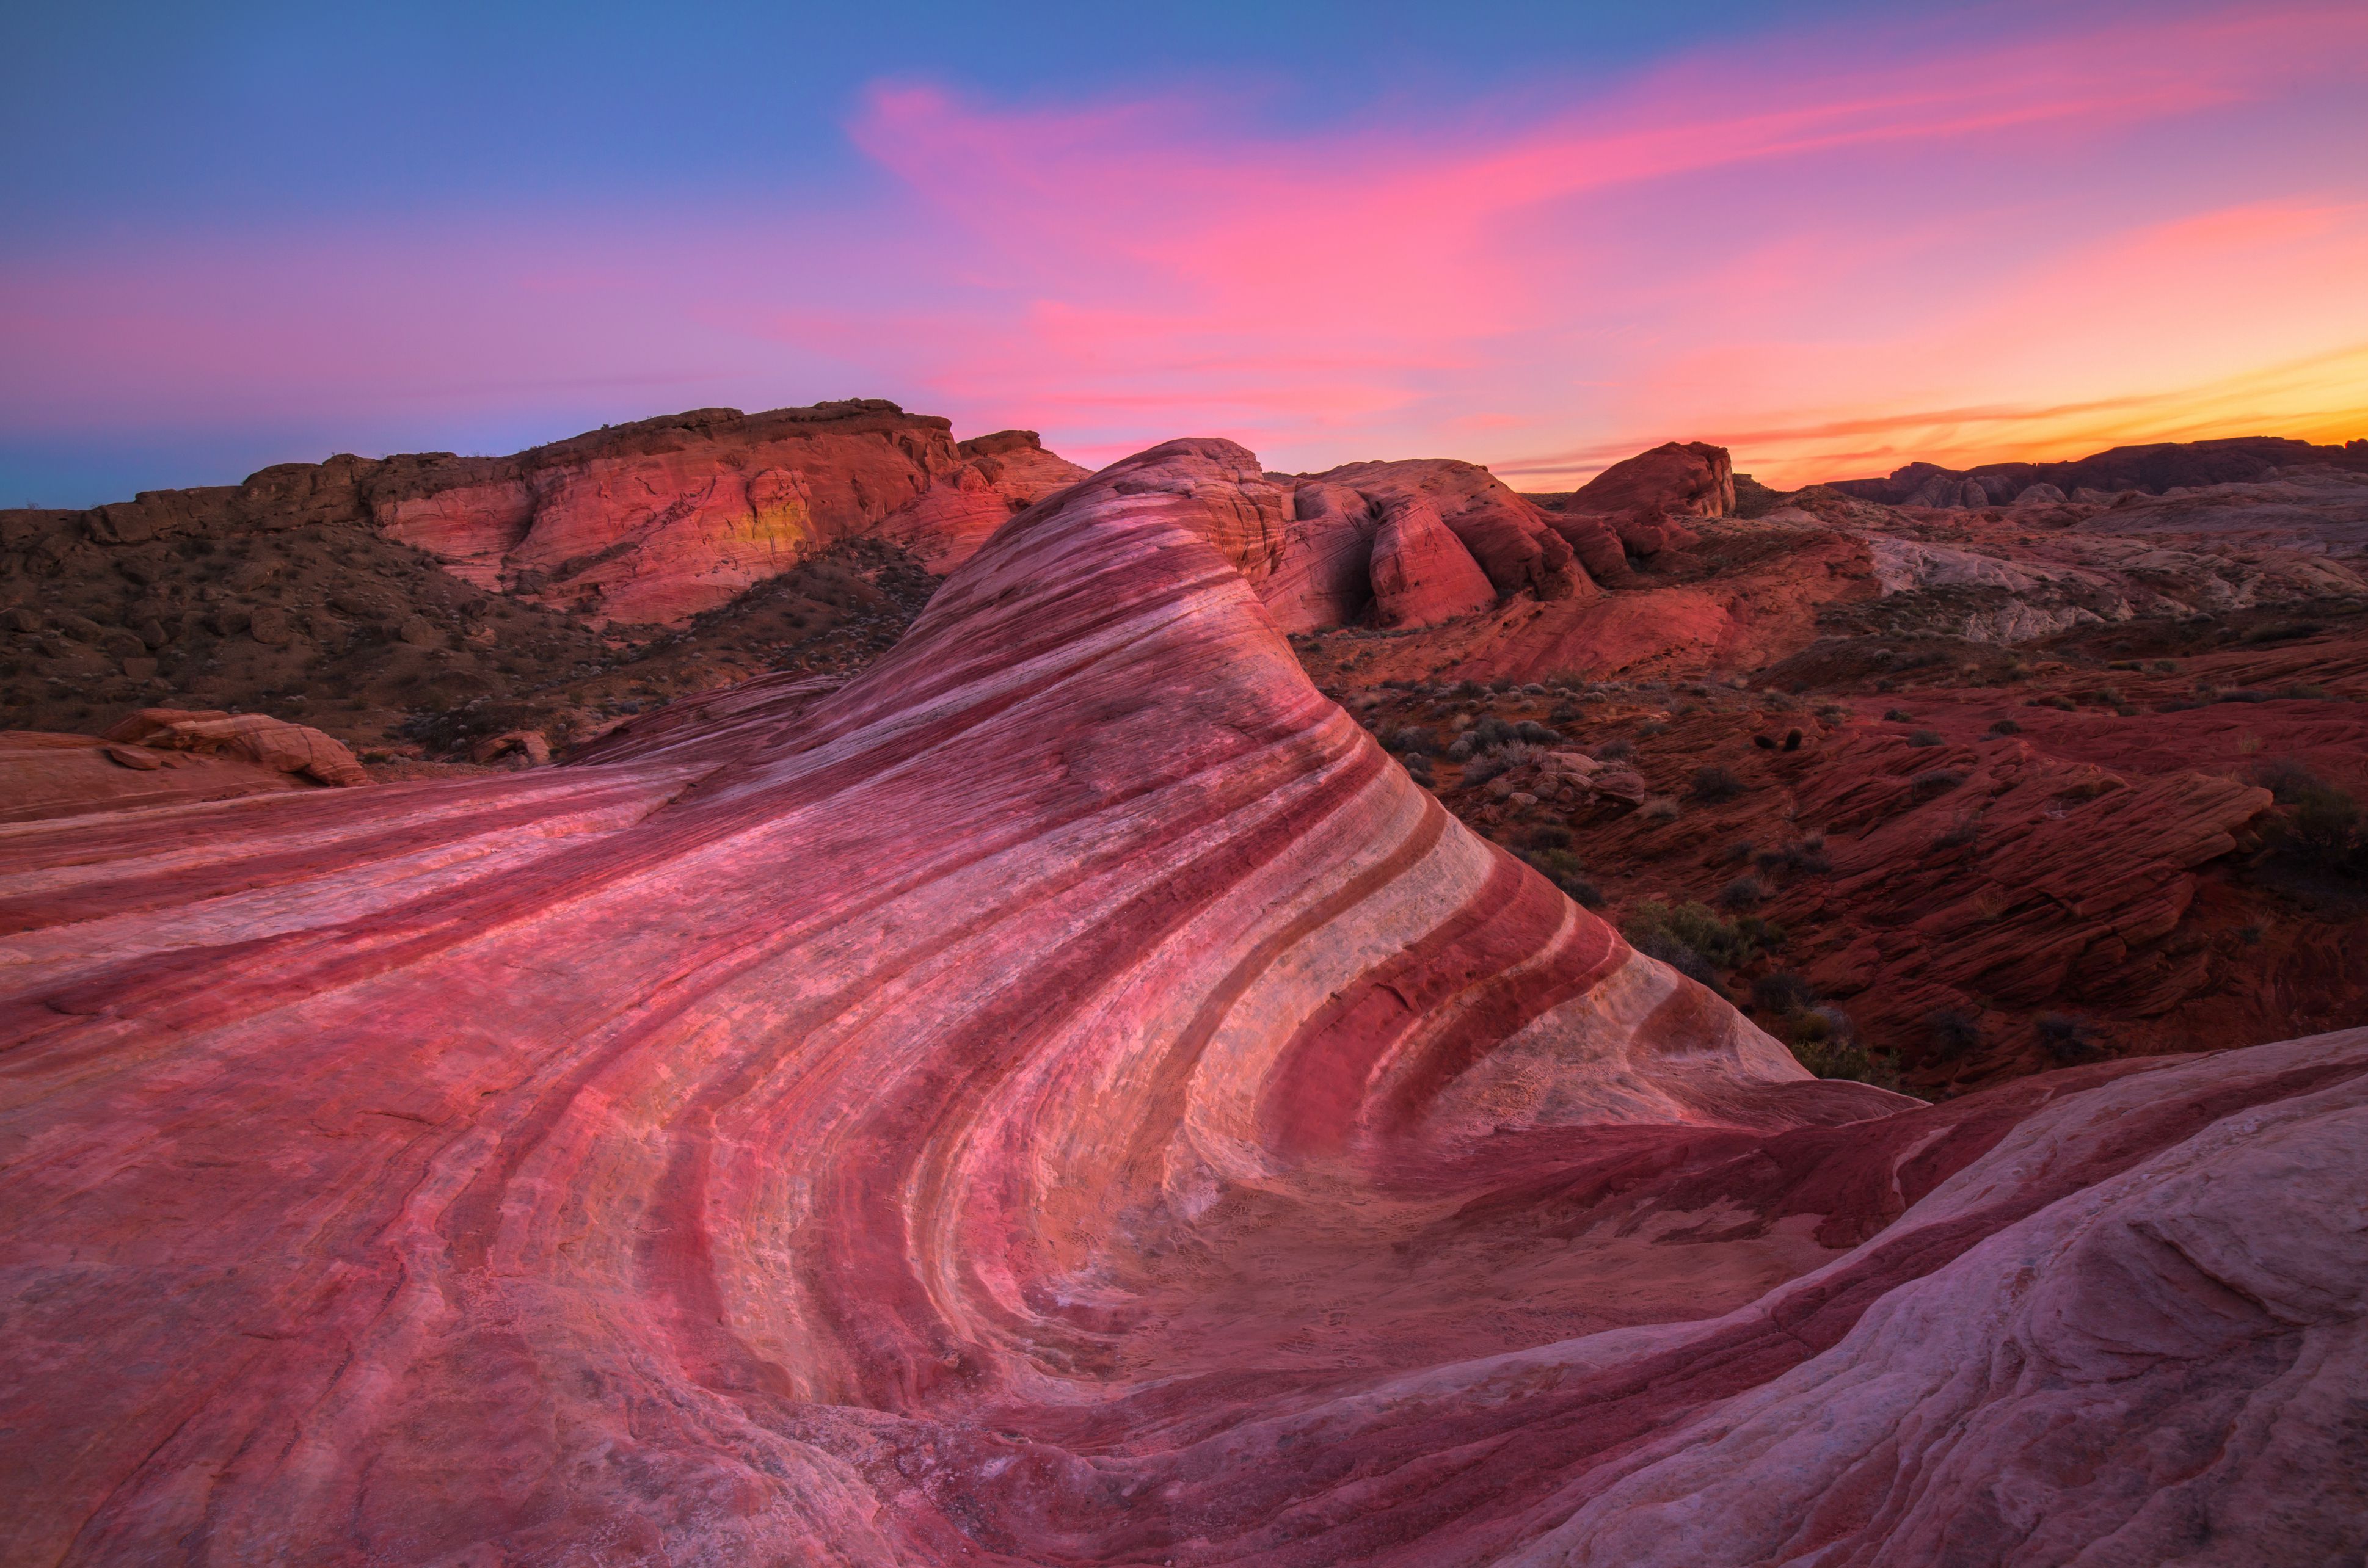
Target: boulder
[
  {"x": 1692, "y": 478},
  {"x": 271, "y": 743},
  {"x": 1421, "y": 573}
]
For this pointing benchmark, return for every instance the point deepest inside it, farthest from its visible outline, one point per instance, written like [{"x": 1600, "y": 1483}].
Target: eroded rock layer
[{"x": 1067, "y": 1097}]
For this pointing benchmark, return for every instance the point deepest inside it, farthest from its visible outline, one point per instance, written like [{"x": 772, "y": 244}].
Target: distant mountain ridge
[{"x": 2154, "y": 467}]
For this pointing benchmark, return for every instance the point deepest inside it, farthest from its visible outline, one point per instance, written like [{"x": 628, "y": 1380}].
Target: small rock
[
  {"x": 418, "y": 630},
  {"x": 527, "y": 743},
  {"x": 139, "y": 666},
  {"x": 18, "y": 617}
]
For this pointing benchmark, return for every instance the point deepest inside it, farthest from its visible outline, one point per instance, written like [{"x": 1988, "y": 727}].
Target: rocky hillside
[
  {"x": 1068, "y": 1096},
  {"x": 2154, "y": 468},
  {"x": 426, "y": 602}
]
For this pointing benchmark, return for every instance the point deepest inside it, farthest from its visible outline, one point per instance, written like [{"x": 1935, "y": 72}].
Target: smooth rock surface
[{"x": 1066, "y": 1096}]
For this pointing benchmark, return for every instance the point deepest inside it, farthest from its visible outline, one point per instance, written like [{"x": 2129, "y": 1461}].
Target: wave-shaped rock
[{"x": 1066, "y": 1096}]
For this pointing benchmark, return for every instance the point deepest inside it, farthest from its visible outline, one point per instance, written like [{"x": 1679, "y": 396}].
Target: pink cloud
[{"x": 1835, "y": 256}]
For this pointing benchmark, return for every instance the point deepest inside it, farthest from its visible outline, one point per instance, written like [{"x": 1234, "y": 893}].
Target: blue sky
[{"x": 242, "y": 234}]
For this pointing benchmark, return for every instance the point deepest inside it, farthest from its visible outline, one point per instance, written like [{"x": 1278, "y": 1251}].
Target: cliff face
[
  {"x": 1067, "y": 1097},
  {"x": 656, "y": 521},
  {"x": 651, "y": 522}
]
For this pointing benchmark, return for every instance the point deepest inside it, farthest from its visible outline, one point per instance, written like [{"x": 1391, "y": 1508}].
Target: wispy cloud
[{"x": 1833, "y": 255}]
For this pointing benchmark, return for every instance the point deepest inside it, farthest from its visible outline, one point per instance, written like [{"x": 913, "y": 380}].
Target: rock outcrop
[
  {"x": 1689, "y": 477},
  {"x": 650, "y": 522},
  {"x": 1066, "y": 1096},
  {"x": 258, "y": 738},
  {"x": 658, "y": 521}
]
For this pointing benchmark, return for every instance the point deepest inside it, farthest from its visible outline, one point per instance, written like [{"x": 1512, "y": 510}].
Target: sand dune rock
[{"x": 1065, "y": 1096}]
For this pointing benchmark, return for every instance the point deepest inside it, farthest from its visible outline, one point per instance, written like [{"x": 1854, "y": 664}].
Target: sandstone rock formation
[
  {"x": 61, "y": 776},
  {"x": 1066, "y": 1096},
  {"x": 658, "y": 520},
  {"x": 648, "y": 522},
  {"x": 285, "y": 595},
  {"x": 1691, "y": 477},
  {"x": 258, "y": 738}
]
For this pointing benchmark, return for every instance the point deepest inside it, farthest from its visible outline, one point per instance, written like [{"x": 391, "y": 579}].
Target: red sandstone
[{"x": 1067, "y": 1097}]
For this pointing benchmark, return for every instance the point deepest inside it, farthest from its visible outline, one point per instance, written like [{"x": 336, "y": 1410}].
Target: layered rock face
[
  {"x": 1066, "y": 1096},
  {"x": 650, "y": 522},
  {"x": 656, "y": 521}
]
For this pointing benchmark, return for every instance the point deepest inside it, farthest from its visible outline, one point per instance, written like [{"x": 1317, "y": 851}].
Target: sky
[{"x": 1833, "y": 236}]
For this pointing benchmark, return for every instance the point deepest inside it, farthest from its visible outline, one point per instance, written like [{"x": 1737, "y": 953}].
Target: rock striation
[{"x": 1065, "y": 1096}]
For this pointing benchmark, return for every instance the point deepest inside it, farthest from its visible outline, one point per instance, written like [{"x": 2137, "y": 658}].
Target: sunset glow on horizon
[{"x": 2001, "y": 233}]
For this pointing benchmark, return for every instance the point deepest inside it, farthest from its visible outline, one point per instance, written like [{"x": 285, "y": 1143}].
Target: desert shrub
[
  {"x": 2281, "y": 633},
  {"x": 1417, "y": 768},
  {"x": 2242, "y": 695},
  {"x": 2304, "y": 693},
  {"x": 1461, "y": 748},
  {"x": 1413, "y": 739},
  {"x": 1745, "y": 891},
  {"x": 1713, "y": 784},
  {"x": 2065, "y": 1039},
  {"x": 1898, "y": 716},
  {"x": 1649, "y": 728},
  {"x": 1735, "y": 854},
  {"x": 1562, "y": 868},
  {"x": 1968, "y": 830},
  {"x": 2005, "y": 727},
  {"x": 1782, "y": 992},
  {"x": 1614, "y": 751},
  {"x": 1720, "y": 942},
  {"x": 2324, "y": 824},
  {"x": 1824, "y": 1040},
  {"x": 2320, "y": 822},
  {"x": 1551, "y": 835},
  {"x": 1503, "y": 759},
  {"x": 1804, "y": 856},
  {"x": 1935, "y": 782},
  {"x": 1658, "y": 808},
  {"x": 1924, "y": 738},
  {"x": 1832, "y": 713},
  {"x": 1952, "y": 1033},
  {"x": 2166, "y": 667}
]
